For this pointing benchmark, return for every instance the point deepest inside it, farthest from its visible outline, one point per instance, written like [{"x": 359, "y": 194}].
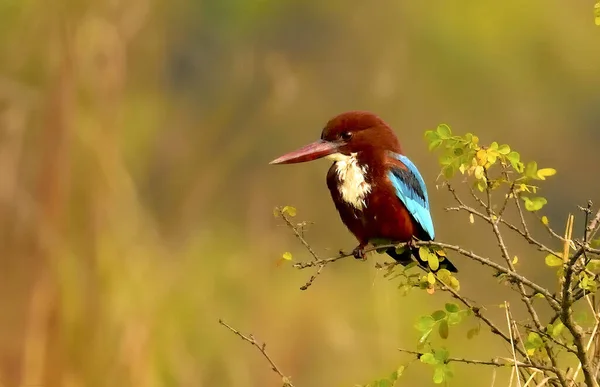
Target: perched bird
[{"x": 378, "y": 192}]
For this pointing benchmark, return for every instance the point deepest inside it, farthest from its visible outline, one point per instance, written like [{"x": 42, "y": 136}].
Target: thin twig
[
  {"x": 262, "y": 348},
  {"x": 496, "y": 362},
  {"x": 300, "y": 237}
]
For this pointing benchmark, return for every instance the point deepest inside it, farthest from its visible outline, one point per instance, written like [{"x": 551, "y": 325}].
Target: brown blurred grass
[{"x": 135, "y": 198}]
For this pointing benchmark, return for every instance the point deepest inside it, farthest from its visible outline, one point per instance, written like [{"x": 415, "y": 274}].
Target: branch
[
  {"x": 496, "y": 362},
  {"x": 262, "y": 348}
]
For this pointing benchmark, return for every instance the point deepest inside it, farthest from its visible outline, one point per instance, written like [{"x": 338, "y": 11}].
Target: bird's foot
[
  {"x": 359, "y": 252},
  {"x": 411, "y": 243}
]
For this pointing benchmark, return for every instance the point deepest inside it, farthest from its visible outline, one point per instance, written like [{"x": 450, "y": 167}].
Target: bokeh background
[{"x": 136, "y": 199}]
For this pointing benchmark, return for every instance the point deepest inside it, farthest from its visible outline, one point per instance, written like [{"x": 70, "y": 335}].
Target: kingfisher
[{"x": 378, "y": 191}]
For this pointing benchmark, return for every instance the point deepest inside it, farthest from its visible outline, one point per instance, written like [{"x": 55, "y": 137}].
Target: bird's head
[{"x": 346, "y": 134}]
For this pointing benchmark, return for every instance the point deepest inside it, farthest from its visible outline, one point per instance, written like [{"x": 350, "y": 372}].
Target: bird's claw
[{"x": 359, "y": 252}]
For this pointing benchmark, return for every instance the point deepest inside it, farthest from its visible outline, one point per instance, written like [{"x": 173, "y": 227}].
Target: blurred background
[{"x": 136, "y": 199}]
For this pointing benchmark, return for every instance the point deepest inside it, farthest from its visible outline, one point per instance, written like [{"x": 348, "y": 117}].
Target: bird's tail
[{"x": 404, "y": 258}]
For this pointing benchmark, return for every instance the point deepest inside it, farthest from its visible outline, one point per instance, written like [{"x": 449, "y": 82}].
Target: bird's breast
[{"x": 351, "y": 180}]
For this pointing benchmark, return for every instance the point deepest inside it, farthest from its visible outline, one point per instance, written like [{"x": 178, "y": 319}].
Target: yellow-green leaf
[
  {"x": 430, "y": 278},
  {"x": 553, "y": 261},
  {"x": 543, "y": 173},
  {"x": 291, "y": 211},
  {"x": 287, "y": 256},
  {"x": 545, "y": 220},
  {"x": 515, "y": 260},
  {"x": 504, "y": 149},
  {"x": 444, "y": 131},
  {"x": 597, "y": 13},
  {"x": 434, "y": 262}
]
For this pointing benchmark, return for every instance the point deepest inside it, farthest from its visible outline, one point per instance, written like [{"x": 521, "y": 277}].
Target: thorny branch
[{"x": 263, "y": 350}]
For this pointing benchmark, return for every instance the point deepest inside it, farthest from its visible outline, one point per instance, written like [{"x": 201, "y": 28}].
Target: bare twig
[{"x": 262, "y": 348}]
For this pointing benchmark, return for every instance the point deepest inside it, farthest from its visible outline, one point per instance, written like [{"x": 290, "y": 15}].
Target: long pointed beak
[{"x": 309, "y": 152}]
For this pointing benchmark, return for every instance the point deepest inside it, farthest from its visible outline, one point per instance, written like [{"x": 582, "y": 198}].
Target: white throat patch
[{"x": 353, "y": 186}]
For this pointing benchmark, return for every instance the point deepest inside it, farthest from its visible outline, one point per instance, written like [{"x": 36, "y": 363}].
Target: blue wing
[{"x": 411, "y": 190}]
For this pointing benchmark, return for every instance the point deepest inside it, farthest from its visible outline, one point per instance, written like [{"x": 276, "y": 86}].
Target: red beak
[{"x": 309, "y": 152}]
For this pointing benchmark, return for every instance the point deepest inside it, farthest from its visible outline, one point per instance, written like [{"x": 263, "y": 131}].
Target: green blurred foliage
[{"x": 135, "y": 195}]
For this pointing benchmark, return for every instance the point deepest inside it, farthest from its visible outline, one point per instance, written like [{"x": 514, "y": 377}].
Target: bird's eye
[{"x": 346, "y": 136}]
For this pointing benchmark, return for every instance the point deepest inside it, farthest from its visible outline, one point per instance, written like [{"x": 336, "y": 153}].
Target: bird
[{"x": 378, "y": 191}]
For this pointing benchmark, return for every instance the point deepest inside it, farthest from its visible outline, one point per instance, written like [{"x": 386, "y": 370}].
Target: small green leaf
[
  {"x": 543, "y": 173},
  {"x": 428, "y": 358},
  {"x": 434, "y": 144},
  {"x": 434, "y": 262},
  {"x": 430, "y": 278},
  {"x": 443, "y": 329},
  {"x": 472, "y": 333},
  {"x": 514, "y": 158},
  {"x": 534, "y": 342},
  {"x": 452, "y": 307},
  {"x": 438, "y": 315},
  {"x": 557, "y": 329},
  {"x": 531, "y": 170},
  {"x": 444, "y": 131},
  {"x": 291, "y": 211},
  {"x": 454, "y": 318},
  {"x": 425, "y": 323},
  {"x": 287, "y": 256},
  {"x": 442, "y": 355},
  {"x": 553, "y": 261},
  {"x": 534, "y": 203},
  {"x": 504, "y": 149},
  {"x": 439, "y": 375}
]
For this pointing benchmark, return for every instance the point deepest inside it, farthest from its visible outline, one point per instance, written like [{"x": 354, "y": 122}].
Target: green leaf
[
  {"x": 543, "y": 173},
  {"x": 425, "y": 323},
  {"x": 396, "y": 374},
  {"x": 439, "y": 375},
  {"x": 444, "y": 131},
  {"x": 504, "y": 149},
  {"x": 441, "y": 355},
  {"x": 443, "y": 329},
  {"x": 434, "y": 262},
  {"x": 438, "y": 315},
  {"x": 430, "y": 278},
  {"x": 557, "y": 329},
  {"x": 434, "y": 144},
  {"x": 449, "y": 171},
  {"x": 534, "y": 203},
  {"x": 428, "y": 358},
  {"x": 454, "y": 318},
  {"x": 452, "y": 307},
  {"x": 291, "y": 211},
  {"x": 472, "y": 333},
  {"x": 287, "y": 256},
  {"x": 534, "y": 342},
  {"x": 531, "y": 170},
  {"x": 514, "y": 158},
  {"x": 425, "y": 253},
  {"x": 553, "y": 261}
]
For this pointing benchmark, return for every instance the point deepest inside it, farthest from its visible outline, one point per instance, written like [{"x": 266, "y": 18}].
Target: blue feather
[{"x": 411, "y": 190}]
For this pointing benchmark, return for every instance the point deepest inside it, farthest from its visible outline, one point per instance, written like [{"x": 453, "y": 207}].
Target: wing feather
[{"x": 411, "y": 190}]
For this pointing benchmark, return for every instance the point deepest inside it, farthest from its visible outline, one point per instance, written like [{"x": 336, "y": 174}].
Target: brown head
[{"x": 347, "y": 133}]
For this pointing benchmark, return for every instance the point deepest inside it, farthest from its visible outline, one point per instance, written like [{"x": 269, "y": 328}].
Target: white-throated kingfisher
[{"x": 378, "y": 192}]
